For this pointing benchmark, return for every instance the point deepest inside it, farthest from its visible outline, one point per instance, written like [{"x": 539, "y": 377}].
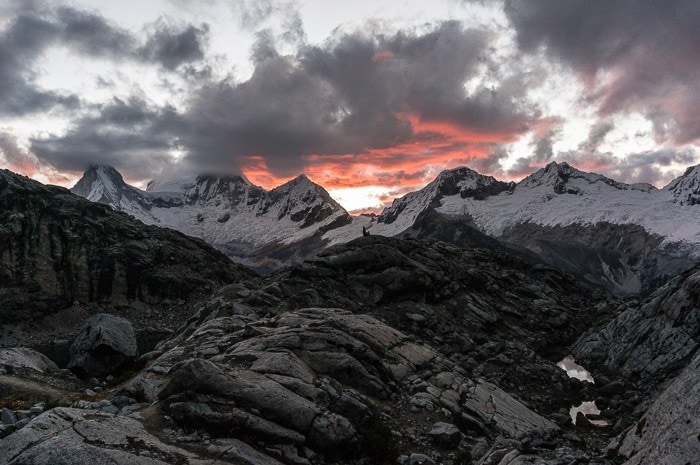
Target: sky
[{"x": 369, "y": 98}]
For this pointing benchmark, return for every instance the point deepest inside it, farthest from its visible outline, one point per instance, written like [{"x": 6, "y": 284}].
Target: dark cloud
[
  {"x": 356, "y": 93},
  {"x": 20, "y": 44},
  {"x": 33, "y": 30},
  {"x": 130, "y": 135},
  {"x": 10, "y": 151},
  {"x": 92, "y": 35},
  {"x": 173, "y": 47},
  {"x": 650, "y": 46}
]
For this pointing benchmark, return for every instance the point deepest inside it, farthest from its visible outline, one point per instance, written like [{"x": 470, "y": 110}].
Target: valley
[{"x": 435, "y": 339}]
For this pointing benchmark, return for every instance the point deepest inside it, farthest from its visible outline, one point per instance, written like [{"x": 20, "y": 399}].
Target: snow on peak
[
  {"x": 104, "y": 184},
  {"x": 463, "y": 182},
  {"x": 231, "y": 191},
  {"x": 686, "y": 188},
  {"x": 562, "y": 178},
  {"x": 100, "y": 183},
  {"x": 227, "y": 211}
]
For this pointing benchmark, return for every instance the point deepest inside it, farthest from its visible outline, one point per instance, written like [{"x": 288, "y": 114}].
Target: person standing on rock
[{"x": 365, "y": 231}]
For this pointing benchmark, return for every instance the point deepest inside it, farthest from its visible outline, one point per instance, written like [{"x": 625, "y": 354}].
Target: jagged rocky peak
[
  {"x": 234, "y": 190},
  {"x": 468, "y": 184},
  {"x": 686, "y": 188},
  {"x": 100, "y": 183},
  {"x": 565, "y": 179},
  {"x": 463, "y": 181},
  {"x": 104, "y": 184},
  {"x": 302, "y": 200}
]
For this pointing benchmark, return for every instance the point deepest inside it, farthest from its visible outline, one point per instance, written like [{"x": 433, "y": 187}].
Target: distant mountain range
[
  {"x": 241, "y": 219},
  {"x": 628, "y": 238}
]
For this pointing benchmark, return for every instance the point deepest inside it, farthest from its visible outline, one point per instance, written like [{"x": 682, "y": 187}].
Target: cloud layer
[{"x": 371, "y": 105}]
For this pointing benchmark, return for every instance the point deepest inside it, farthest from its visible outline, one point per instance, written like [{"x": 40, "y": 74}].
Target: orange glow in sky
[{"x": 369, "y": 180}]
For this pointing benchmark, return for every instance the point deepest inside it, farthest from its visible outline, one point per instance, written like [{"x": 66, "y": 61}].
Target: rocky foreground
[{"x": 381, "y": 350}]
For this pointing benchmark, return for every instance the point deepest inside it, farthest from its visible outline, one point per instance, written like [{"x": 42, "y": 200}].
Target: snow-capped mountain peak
[
  {"x": 562, "y": 178},
  {"x": 302, "y": 200},
  {"x": 99, "y": 183},
  {"x": 686, "y": 188},
  {"x": 231, "y": 191},
  {"x": 104, "y": 184},
  {"x": 229, "y": 212},
  {"x": 463, "y": 182}
]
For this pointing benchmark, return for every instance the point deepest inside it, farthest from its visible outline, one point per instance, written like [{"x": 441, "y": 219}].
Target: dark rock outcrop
[
  {"x": 326, "y": 379},
  {"x": 57, "y": 248},
  {"x": 649, "y": 340},
  {"x": 104, "y": 345},
  {"x": 669, "y": 431}
]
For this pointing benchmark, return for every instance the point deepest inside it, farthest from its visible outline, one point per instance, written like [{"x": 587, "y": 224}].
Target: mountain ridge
[
  {"x": 229, "y": 212},
  {"x": 563, "y": 215}
]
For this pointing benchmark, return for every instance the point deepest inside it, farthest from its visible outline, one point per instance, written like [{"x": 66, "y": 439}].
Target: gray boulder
[
  {"x": 445, "y": 434},
  {"x": 23, "y": 357},
  {"x": 105, "y": 343}
]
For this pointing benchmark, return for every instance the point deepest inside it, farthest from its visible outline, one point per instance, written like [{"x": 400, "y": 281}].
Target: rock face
[
  {"x": 328, "y": 380},
  {"x": 75, "y": 437},
  {"x": 651, "y": 340},
  {"x": 105, "y": 343},
  {"x": 437, "y": 286},
  {"x": 57, "y": 248},
  {"x": 623, "y": 259},
  {"x": 669, "y": 431}
]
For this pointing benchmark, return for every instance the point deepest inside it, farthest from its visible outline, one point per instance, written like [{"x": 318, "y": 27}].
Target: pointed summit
[
  {"x": 463, "y": 181},
  {"x": 104, "y": 184},
  {"x": 302, "y": 200},
  {"x": 100, "y": 183},
  {"x": 686, "y": 188},
  {"x": 468, "y": 184},
  {"x": 563, "y": 178}
]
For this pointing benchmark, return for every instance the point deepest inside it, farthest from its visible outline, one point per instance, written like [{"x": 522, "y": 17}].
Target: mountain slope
[
  {"x": 627, "y": 238},
  {"x": 686, "y": 188},
  {"x": 57, "y": 248},
  {"x": 228, "y": 212}
]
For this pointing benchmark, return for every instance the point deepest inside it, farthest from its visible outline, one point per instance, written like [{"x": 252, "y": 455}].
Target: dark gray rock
[
  {"x": 105, "y": 344},
  {"x": 7, "y": 416},
  {"x": 57, "y": 248},
  {"x": 669, "y": 431},
  {"x": 651, "y": 340},
  {"x": 445, "y": 434},
  {"x": 24, "y": 357}
]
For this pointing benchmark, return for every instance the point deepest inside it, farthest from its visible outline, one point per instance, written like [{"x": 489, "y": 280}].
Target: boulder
[
  {"x": 23, "y": 357},
  {"x": 445, "y": 434},
  {"x": 104, "y": 345}
]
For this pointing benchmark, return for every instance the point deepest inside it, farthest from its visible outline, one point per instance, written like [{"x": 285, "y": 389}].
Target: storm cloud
[
  {"x": 649, "y": 47},
  {"x": 32, "y": 31},
  {"x": 359, "y": 92},
  {"x": 377, "y": 101},
  {"x": 129, "y": 134}
]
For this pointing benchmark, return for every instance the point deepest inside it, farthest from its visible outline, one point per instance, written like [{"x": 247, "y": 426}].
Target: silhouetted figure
[{"x": 365, "y": 231}]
